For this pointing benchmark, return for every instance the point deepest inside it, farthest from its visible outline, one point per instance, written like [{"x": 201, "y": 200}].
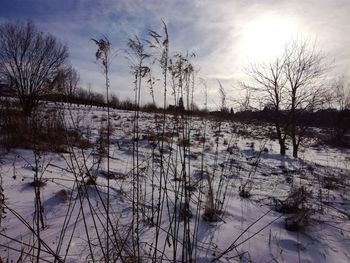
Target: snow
[{"x": 250, "y": 227}]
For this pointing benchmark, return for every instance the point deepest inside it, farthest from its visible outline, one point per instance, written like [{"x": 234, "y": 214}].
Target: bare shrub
[
  {"x": 44, "y": 131},
  {"x": 295, "y": 202},
  {"x": 38, "y": 183},
  {"x": 297, "y": 207}
]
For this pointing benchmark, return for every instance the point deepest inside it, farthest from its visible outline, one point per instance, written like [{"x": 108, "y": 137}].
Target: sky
[{"x": 225, "y": 35}]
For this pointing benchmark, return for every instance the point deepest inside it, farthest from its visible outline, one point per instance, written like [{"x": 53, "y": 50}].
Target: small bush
[
  {"x": 298, "y": 209},
  {"x": 295, "y": 203},
  {"x": 244, "y": 192},
  {"x": 63, "y": 195},
  {"x": 330, "y": 182},
  {"x": 90, "y": 180},
  {"x": 44, "y": 131},
  {"x": 37, "y": 183},
  {"x": 245, "y": 189},
  {"x": 150, "y": 107},
  {"x": 211, "y": 215}
]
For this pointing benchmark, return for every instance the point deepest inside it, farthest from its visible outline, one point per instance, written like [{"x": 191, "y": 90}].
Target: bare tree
[
  {"x": 29, "y": 62},
  {"x": 71, "y": 83},
  {"x": 304, "y": 70},
  {"x": 245, "y": 104},
  {"x": 341, "y": 100},
  {"x": 66, "y": 83},
  {"x": 341, "y": 91},
  {"x": 292, "y": 86},
  {"x": 269, "y": 83},
  {"x": 114, "y": 101},
  {"x": 82, "y": 96}
]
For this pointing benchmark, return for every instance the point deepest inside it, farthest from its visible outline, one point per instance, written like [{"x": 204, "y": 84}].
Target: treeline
[
  {"x": 323, "y": 118},
  {"x": 90, "y": 98},
  {"x": 335, "y": 120}
]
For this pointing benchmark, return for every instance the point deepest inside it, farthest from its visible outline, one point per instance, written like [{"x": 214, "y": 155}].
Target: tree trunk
[
  {"x": 28, "y": 106},
  {"x": 282, "y": 147},
  {"x": 295, "y": 148},
  {"x": 281, "y": 140},
  {"x": 294, "y": 133}
]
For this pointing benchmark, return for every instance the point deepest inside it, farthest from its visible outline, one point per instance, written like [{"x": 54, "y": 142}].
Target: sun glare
[{"x": 264, "y": 38}]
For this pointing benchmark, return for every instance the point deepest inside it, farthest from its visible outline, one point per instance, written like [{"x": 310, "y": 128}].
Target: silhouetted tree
[
  {"x": 29, "y": 62},
  {"x": 71, "y": 83},
  {"x": 292, "y": 86},
  {"x": 304, "y": 69},
  {"x": 269, "y": 84},
  {"x": 114, "y": 101},
  {"x": 341, "y": 93}
]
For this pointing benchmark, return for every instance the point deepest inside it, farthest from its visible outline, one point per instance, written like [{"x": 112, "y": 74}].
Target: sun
[{"x": 264, "y": 38}]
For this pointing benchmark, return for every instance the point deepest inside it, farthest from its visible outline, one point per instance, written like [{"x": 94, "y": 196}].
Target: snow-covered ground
[{"x": 249, "y": 228}]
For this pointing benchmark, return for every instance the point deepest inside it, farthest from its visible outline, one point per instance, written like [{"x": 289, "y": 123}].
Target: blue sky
[{"x": 219, "y": 32}]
